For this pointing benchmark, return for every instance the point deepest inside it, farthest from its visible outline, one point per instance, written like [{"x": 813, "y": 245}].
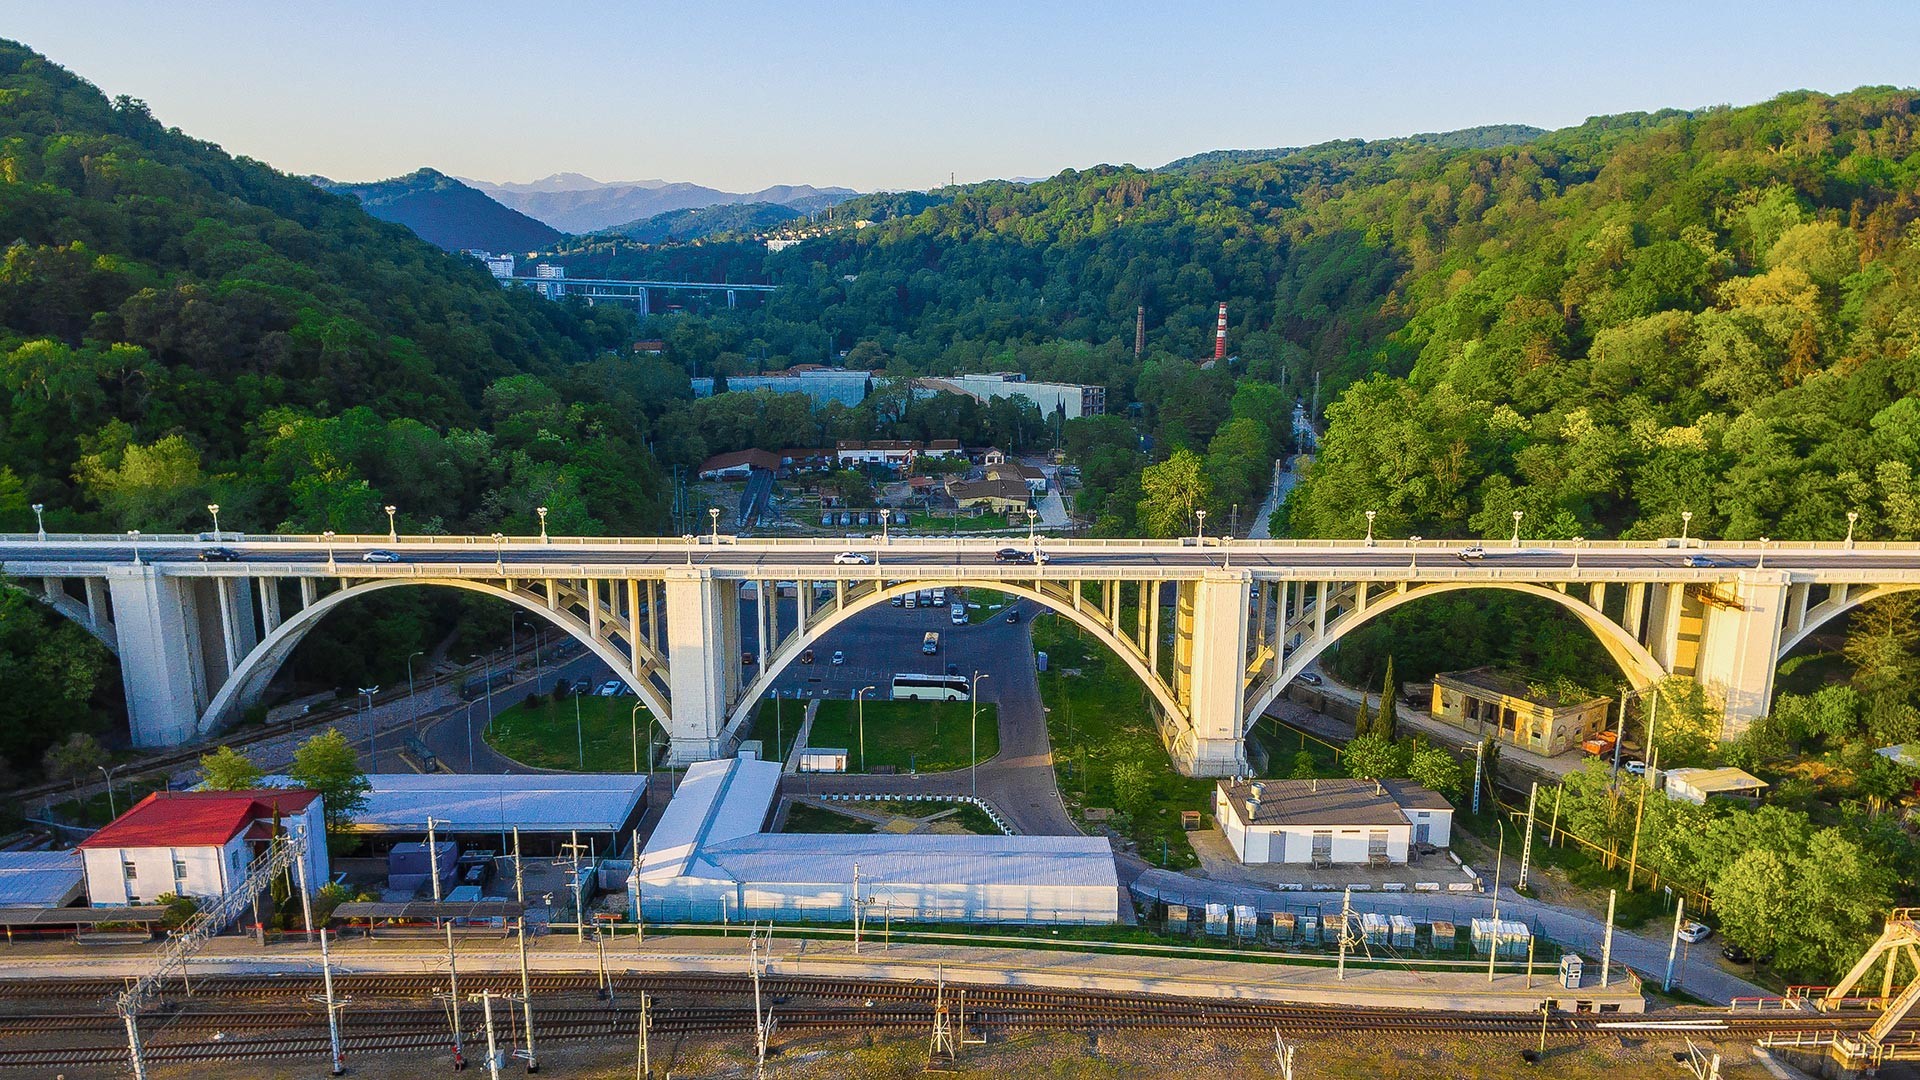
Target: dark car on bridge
[
  {"x": 1012, "y": 555},
  {"x": 219, "y": 554}
]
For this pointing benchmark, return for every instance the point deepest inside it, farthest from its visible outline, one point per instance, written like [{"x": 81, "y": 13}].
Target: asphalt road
[{"x": 932, "y": 557}]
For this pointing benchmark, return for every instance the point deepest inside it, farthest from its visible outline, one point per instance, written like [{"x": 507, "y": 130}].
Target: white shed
[{"x": 1330, "y": 822}]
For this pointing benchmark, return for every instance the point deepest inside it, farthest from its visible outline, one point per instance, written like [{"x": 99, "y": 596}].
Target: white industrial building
[
  {"x": 198, "y": 843},
  {"x": 709, "y": 860},
  {"x": 1330, "y": 822},
  {"x": 547, "y": 808}
]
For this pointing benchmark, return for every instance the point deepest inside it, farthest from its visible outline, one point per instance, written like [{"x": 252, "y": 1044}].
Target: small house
[
  {"x": 198, "y": 843},
  {"x": 1331, "y": 822}
]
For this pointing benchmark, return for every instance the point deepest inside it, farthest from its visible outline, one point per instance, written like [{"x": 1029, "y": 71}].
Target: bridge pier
[
  {"x": 156, "y": 620},
  {"x": 1210, "y": 649},
  {"x": 703, "y": 661},
  {"x": 1740, "y": 645}
]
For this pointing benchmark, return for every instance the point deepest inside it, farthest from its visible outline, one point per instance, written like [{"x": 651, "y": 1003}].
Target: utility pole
[
  {"x": 526, "y": 997},
  {"x": 453, "y": 1002},
  {"x": 942, "y": 1027},
  {"x": 1606, "y": 948},
  {"x": 1479, "y": 759},
  {"x": 856, "y": 909},
  {"x": 519, "y": 879},
  {"x": 433, "y": 863},
  {"x": 1283, "y": 1054},
  {"x": 1673, "y": 946},
  {"x": 1526, "y": 845},
  {"x": 493, "y": 1046},
  {"x": 1346, "y": 921},
  {"x": 643, "y": 1068},
  {"x": 1633, "y": 852},
  {"x": 579, "y": 890},
  {"x": 761, "y": 1021},
  {"x": 338, "y": 1061},
  {"x": 1553, "y": 829},
  {"x": 306, "y": 891},
  {"x": 139, "y": 1062}
]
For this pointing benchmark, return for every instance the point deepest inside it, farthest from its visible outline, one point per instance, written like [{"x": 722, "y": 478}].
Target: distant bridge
[
  {"x": 638, "y": 293},
  {"x": 198, "y": 641}
]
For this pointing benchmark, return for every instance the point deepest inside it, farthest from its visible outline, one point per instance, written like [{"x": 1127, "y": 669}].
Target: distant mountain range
[
  {"x": 1485, "y": 137},
  {"x": 580, "y": 204},
  {"x": 447, "y": 213}
]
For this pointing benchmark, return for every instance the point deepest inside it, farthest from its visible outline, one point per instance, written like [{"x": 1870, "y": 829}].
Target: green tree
[
  {"x": 1881, "y": 643},
  {"x": 1754, "y": 900},
  {"x": 75, "y": 758},
  {"x": 1132, "y": 787},
  {"x": 1435, "y": 768},
  {"x": 226, "y": 769},
  {"x": 1387, "y": 720},
  {"x": 1303, "y": 766},
  {"x": 1370, "y": 757},
  {"x": 1173, "y": 490},
  {"x": 327, "y": 763}
]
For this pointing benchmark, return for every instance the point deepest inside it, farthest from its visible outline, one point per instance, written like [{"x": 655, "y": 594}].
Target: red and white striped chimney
[{"x": 1220, "y": 335}]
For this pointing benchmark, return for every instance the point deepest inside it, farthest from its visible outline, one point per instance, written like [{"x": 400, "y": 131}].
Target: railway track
[{"x": 202, "y": 1034}]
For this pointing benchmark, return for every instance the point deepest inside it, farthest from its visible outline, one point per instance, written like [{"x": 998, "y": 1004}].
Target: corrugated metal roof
[
  {"x": 196, "y": 818},
  {"x": 716, "y": 801},
  {"x": 40, "y": 878},
  {"x": 536, "y": 802},
  {"x": 828, "y": 859}
]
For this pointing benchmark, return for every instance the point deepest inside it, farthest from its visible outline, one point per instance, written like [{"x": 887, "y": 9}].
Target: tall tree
[
  {"x": 1174, "y": 490},
  {"x": 1387, "y": 720},
  {"x": 327, "y": 763},
  {"x": 226, "y": 769}
]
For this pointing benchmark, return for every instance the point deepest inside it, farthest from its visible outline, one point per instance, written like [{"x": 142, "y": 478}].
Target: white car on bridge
[{"x": 852, "y": 558}]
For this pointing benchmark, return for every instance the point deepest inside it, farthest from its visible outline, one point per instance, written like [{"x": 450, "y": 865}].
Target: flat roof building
[
  {"x": 1698, "y": 785},
  {"x": 41, "y": 878},
  {"x": 1336, "y": 821},
  {"x": 709, "y": 860},
  {"x": 1531, "y": 717},
  {"x": 547, "y": 808},
  {"x": 1069, "y": 400}
]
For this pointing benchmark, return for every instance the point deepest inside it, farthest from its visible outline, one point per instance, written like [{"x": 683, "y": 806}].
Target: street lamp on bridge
[
  {"x": 500, "y": 552},
  {"x": 1686, "y": 522},
  {"x": 393, "y": 529},
  {"x": 1370, "y": 515},
  {"x": 713, "y": 514},
  {"x": 1414, "y": 543},
  {"x": 40, "y": 519},
  {"x": 1852, "y": 516},
  {"x": 1517, "y": 515},
  {"x": 133, "y": 537},
  {"x": 214, "y": 509},
  {"x": 542, "y": 511},
  {"x": 1200, "y": 532},
  {"x": 328, "y": 537}
]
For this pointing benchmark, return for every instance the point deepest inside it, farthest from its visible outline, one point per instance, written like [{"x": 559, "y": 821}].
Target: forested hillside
[
  {"x": 447, "y": 213},
  {"x": 179, "y": 327}
]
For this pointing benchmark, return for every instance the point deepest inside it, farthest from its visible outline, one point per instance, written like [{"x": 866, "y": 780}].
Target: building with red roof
[{"x": 198, "y": 843}]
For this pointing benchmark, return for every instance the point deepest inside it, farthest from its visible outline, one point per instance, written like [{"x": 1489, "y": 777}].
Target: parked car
[
  {"x": 807, "y": 657},
  {"x": 1695, "y": 932},
  {"x": 1309, "y": 678},
  {"x": 838, "y": 658},
  {"x": 746, "y": 659},
  {"x": 1013, "y": 614},
  {"x": 377, "y": 555},
  {"x": 852, "y": 558},
  {"x": 898, "y": 601},
  {"x": 1636, "y": 767},
  {"x": 1737, "y": 955},
  {"x": 1474, "y": 552},
  {"x": 611, "y": 688},
  {"x": 959, "y": 614},
  {"x": 1701, "y": 561},
  {"x": 219, "y": 554},
  {"x": 582, "y": 686}
]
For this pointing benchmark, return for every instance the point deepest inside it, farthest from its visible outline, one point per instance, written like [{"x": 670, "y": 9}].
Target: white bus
[{"x": 929, "y": 688}]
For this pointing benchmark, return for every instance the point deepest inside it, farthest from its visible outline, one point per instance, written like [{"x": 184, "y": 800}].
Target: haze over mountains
[{"x": 575, "y": 203}]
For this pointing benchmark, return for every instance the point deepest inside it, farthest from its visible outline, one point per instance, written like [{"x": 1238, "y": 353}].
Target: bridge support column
[
  {"x": 703, "y": 654},
  {"x": 1210, "y": 669},
  {"x": 1739, "y": 646},
  {"x": 156, "y": 619}
]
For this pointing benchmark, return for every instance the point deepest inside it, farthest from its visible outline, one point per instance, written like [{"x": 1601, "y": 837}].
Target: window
[
  {"x": 1322, "y": 844},
  {"x": 179, "y": 876},
  {"x": 1376, "y": 844},
  {"x": 131, "y": 872}
]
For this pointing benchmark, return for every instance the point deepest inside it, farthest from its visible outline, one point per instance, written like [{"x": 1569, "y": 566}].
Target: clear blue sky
[{"x": 899, "y": 95}]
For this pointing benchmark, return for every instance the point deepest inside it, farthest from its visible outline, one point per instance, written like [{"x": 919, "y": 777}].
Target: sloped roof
[
  {"x": 196, "y": 818},
  {"x": 1335, "y": 801},
  {"x": 475, "y": 802}
]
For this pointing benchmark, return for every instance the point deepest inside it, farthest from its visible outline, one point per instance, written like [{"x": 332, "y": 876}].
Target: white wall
[{"x": 208, "y": 869}]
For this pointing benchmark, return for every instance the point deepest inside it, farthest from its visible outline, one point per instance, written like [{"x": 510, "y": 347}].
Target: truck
[{"x": 931, "y": 643}]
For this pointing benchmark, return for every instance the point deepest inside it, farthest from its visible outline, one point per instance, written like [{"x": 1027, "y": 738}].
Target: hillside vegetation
[{"x": 447, "y": 213}]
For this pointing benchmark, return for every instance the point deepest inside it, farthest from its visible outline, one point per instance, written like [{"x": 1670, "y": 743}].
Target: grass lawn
[
  {"x": 1283, "y": 742},
  {"x": 1581, "y": 869},
  {"x": 544, "y": 735},
  {"x": 802, "y": 818},
  {"x": 928, "y": 736},
  {"x": 94, "y": 810},
  {"x": 1101, "y": 718},
  {"x": 778, "y": 721},
  {"x": 942, "y": 523}
]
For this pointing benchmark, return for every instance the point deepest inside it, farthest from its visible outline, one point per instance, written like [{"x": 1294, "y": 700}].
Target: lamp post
[
  {"x": 413, "y": 707},
  {"x": 1200, "y": 531},
  {"x": 1370, "y": 515},
  {"x": 1517, "y": 515},
  {"x": 133, "y": 537},
  {"x": 542, "y": 511},
  {"x": 1762, "y": 563},
  {"x": 328, "y": 537},
  {"x": 214, "y": 509},
  {"x": 1033, "y": 516},
  {"x": 500, "y": 552},
  {"x": 113, "y": 810},
  {"x": 1413, "y": 564},
  {"x": 1577, "y": 541},
  {"x": 1686, "y": 522},
  {"x": 1852, "y": 516},
  {"x": 634, "y": 720},
  {"x": 860, "y": 708},
  {"x": 40, "y": 519},
  {"x": 393, "y": 528},
  {"x": 973, "y": 698},
  {"x": 373, "y": 760},
  {"x": 470, "y": 706},
  {"x": 713, "y": 515}
]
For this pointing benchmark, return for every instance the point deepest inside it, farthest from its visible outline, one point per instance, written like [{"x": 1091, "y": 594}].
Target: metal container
[
  {"x": 1505, "y": 937},
  {"x": 1570, "y": 968},
  {"x": 1282, "y": 926},
  {"x": 1218, "y": 918},
  {"x": 1375, "y": 929},
  {"x": 1446, "y": 936},
  {"x": 1309, "y": 927},
  {"x": 1177, "y": 919},
  {"x": 1246, "y": 922},
  {"x": 1402, "y": 932}
]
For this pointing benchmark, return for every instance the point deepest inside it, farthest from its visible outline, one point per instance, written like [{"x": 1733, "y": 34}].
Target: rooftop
[
  {"x": 196, "y": 818},
  {"x": 1333, "y": 801},
  {"x": 1009, "y": 489},
  {"x": 1715, "y": 781},
  {"x": 758, "y": 459},
  {"x": 1511, "y": 685},
  {"x": 40, "y": 878},
  {"x": 535, "y": 802},
  {"x": 716, "y": 801}
]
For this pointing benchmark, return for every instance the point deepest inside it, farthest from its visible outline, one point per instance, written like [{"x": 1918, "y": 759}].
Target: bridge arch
[
  {"x": 1827, "y": 611},
  {"x": 249, "y": 680},
  {"x": 789, "y": 651},
  {"x": 1635, "y": 661}
]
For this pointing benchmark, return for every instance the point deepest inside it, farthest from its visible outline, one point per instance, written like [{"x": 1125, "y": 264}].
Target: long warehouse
[{"x": 709, "y": 860}]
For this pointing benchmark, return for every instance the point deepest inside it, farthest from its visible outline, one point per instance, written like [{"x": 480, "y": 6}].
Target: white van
[{"x": 959, "y": 614}]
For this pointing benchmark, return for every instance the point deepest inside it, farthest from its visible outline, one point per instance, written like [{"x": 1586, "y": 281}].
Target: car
[
  {"x": 852, "y": 558},
  {"x": 1636, "y": 767},
  {"x": 838, "y": 658},
  {"x": 378, "y": 555},
  {"x": 1695, "y": 932},
  {"x": 1737, "y": 955},
  {"x": 746, "y": 659},
  {"x": 898, "y": 601},
  {"x": 1309, "y": 678},
  {"x": 959, "y": 615},
  {"x": 611, "y": 688},
  {"x": 1701, "y": 561},
  {"x": 807, "y": 657},
  {"x": 1041, "y": 557},
  {"x": 1471, "y": 553},
  {"x": 219, "y": 554},
  {"x": 953, "y": 669},
  {"x": 1013, "y": 615},
  {"x": 1012, "y": 555}
]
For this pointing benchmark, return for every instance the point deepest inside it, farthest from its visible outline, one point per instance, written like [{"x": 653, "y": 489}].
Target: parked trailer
[
  {"x": 1445, "y": 936},
  {"x": 1309, "y": 927},
  {"x": 1177, "y": 919},
  {"x": 1375, "y": 929}
]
